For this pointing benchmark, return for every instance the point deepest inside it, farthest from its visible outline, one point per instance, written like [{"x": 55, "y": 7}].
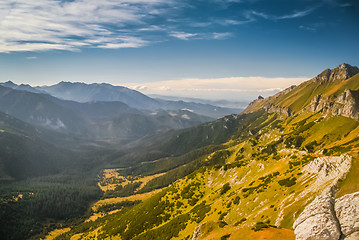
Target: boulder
[
  {"x": 347, "y": 212},
  {"x": 318, "y": 220}
]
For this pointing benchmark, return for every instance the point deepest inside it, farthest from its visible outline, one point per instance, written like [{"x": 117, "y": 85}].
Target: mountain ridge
[
  {"x": 329, "y": 84},
  {"x": 254, "y": 181},
  {"x": 243, "y": 176}
]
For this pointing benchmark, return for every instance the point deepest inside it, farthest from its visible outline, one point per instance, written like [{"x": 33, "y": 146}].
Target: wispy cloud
[
  {"x": 207, "y": 35},
  {"x": 250, "y": 15},
  {"x": 40, "y": 25},
  {"x": 183, "y": 35},
  {"x": 224, "y": 35},
  {"x": 238, "y": 88},
  {"x": 297, "y": 14},
  {"x": 235, "y": 22},
  {"x": 33, "y": 25}
]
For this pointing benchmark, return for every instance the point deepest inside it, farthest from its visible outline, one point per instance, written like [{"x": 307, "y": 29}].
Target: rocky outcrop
[
  {"x": 354, "y": 236},
  {"x": 271, "y": 108},
  {"x": 346, "y": 104},
  {"x": 329, "y": 219},
  {"x": 204, "y": 228},
  {"x": 347, "y": 212},
  {"x": 197, "y": 232},
  {"x": 318, "y": 220},
  {"x": 261, "y": 102},
  {"x": 325, "y": 217},
  {"x": 329, "y": 168},
  {"x": 342, "y": 72}
]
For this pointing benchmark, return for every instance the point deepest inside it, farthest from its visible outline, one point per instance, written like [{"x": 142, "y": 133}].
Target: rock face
[
  {"x": 346, "y": 104},
  {"x": 325, "y": 217},
  {"x": 204, "y": 228},
  {"x": 257, "y": 103},
  {"x": 318, "y": 220},
  {"x": 271, "y": 108},
  {"x": 329, "y": 168},
  {"x": 347, "y": 212},
  {"x": 197, "y": 233},
  {"x": 354, "y": 236},
  {"x": 329, "y": 219},
  {"x": 343, "y": 71}
]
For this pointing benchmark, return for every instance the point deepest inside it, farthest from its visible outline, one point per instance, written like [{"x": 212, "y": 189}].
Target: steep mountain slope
[
  {"x": 255, "y": 181},
  {"x": 24, "y": 154},
  {"x": 327, "y": 86},
  {"x": 133, "y": 126}
]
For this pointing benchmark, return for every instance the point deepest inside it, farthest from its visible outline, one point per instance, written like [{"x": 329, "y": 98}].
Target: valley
[
  {"x": 282, "y": 169},
  {"x": 179, "y": 120}
]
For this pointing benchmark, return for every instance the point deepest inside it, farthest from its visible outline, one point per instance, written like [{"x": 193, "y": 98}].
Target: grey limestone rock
[
  {"x": 353, "y": 236},
  {"x": 271, "y": 108},
  {"x": 347, "y": 212},
  {"x": 342, "y": 72},
  {"x": 318, "y": 221},
  {"x": 346, "y": 104}
]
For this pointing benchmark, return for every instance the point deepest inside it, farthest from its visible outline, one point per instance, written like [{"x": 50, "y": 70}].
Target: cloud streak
[
  {"x": 250, "y": 15},
  {"x": 35, "y": 25},
  {"x": 41, "y": 25}
]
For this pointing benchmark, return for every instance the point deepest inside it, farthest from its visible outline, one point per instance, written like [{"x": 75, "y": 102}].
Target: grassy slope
[
  {"x": 260, "y": 180},
  {"x": 253, "y": 181},
  {"x": 300, "y": 97}
]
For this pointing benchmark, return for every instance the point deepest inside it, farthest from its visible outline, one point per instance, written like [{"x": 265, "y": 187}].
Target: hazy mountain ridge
[
  {"x": 254, "y": 182},
  {"x": 82, "y": 92},
  {"x": 91, "y": 120},
  {"x": 104, "y": 92}
]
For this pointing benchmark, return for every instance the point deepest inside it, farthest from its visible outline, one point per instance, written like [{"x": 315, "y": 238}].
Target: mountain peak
[
  {"x": 9, "y": 84},
  {"x": 342, "y": 72}
]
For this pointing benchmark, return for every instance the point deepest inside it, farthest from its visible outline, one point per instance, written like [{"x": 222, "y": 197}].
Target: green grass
[{"x": 350, "y": 184}]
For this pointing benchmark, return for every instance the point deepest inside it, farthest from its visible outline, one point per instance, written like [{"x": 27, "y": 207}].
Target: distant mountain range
[
  {"x": 81, "y": 92},
  {"x": 95, "y": 120}
]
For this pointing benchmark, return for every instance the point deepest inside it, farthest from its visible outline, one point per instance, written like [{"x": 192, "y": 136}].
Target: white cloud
[
  {"x": 35, "y": 25},
  {"x": 232, "y": 88},
  {"x": 183, "y": 35},
  {"x": 221, "y": 35},
  {"x": 235, "y": 22},
  {"x": 209, "y": 35},
  {"x": 250, "y": 15},
  {"x": 297, "y": 14},
  {"x": 40, "y": 25}
]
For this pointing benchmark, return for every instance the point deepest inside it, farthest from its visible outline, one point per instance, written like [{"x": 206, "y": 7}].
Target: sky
[{"x": 211, "y": 49}]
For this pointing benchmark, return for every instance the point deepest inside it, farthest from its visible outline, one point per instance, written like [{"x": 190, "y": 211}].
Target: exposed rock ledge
[
  {"x": 329, "y": 219},
  {"x": 318, "y": 219},
  {"x": 206, "y": 227},
  {"x": 326, "y": 218},
  {"x": 347, "y": 211},
  {"x": 346, "y": 104},
  {"x": 271, "y": 108}
]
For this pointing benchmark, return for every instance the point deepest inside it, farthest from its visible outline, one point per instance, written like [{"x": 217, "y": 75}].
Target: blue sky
[{"x": 158, "y": 46}]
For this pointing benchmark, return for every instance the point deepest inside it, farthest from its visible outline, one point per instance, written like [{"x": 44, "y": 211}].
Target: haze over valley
[{"x": 181, "y": 120}]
